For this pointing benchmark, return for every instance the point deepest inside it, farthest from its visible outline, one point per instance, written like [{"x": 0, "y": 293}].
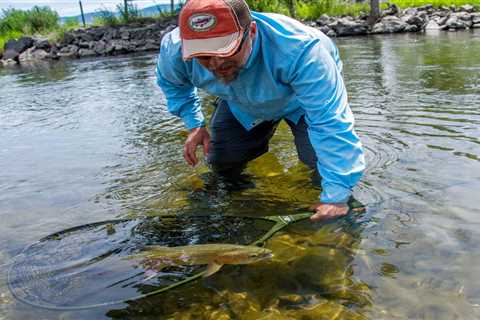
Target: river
[{"x": 91, "y": 140}]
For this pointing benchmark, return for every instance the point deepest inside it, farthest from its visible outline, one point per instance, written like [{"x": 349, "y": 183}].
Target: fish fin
[{"x": 212, "y": 268}]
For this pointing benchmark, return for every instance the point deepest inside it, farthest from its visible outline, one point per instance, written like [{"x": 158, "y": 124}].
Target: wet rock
[
  {"x": 325, "y": 29},
  {"x": 42, "y": 43},
  {"x": 100, "y": 47},
  {"x": 476, "y": 18},
  {"x": 390, "y": 24},
  {"x": 425, "y": 7},
  {"x": 97, "y": 32},
  {"x": 324, "y": 20},
  {"x": 13, "y": 48},
  {"x": 86, "y": 53},
  {"x": 32, "y": 54},
  {"x": 391, "y": 10},
  {"x": 68, "y": 38},
  {"x": 413, "y": 20},
  {"x": 348, "y": 27},
  {"x": 433, "y": 25},
  {"x": 467, "y": 8},
  {"x": 19, "y": 45},
  {"x": 410, "y": 11},
  {"x": 10, "y": 55},
  {"x": 412, "y": 28},
  {"x": 454, "y": 23},
  {"x": 442, "y": 21},
  {"x": 331, "y": 34},
  {"x": 69, "y": 51},
  {"x": 125, "y": 35}
]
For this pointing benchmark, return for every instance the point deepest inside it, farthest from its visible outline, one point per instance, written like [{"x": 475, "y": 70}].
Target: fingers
[
  {"x": 198, "y": 136},
  {"x": 189, "y": 153},
  {"x": 206, "y": 145},
  {"x": 327, "y": 211}
]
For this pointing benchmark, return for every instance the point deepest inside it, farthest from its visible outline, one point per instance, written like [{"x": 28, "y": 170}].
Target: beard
[
  {"x": 227, "y": 78},
  {"x": 233, "y": 69}
]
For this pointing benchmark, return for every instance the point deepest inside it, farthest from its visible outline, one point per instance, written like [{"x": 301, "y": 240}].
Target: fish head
[{"x": 244, "y": 255}]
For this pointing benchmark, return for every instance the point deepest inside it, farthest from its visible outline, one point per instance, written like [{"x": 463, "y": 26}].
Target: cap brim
[{"x": 219, "y": 46}]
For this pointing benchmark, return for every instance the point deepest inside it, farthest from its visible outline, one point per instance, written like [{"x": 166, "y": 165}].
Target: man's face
[{"x": 227, "y": 68}]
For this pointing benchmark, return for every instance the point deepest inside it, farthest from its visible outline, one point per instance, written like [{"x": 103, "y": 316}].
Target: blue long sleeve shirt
[{"x": 293, "y": 70}]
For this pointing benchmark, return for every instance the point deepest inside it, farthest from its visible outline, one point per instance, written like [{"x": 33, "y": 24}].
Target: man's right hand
[{"x": 196, "y": 137}]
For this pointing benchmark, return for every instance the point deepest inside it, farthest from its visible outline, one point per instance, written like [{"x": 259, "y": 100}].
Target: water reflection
[{"x": 92, "y": 140}]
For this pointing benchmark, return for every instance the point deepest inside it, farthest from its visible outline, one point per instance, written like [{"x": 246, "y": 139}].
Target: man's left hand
[{"x": 324, "y": 211}]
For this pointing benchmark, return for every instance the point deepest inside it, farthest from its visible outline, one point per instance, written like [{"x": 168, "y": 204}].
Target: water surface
[{"x": 91, "y": 140}]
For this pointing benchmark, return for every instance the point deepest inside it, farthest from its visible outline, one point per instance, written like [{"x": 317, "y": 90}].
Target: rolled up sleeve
[
  {"x": 316, "y": 79},
  {"x": 182, "y": 97}
]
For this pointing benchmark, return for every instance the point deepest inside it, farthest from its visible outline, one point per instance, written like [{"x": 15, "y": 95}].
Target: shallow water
[{"x": 91, "y": 140}]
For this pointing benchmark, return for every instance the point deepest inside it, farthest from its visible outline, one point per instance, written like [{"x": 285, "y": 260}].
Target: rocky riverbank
[{"x": 115, "y": 40}]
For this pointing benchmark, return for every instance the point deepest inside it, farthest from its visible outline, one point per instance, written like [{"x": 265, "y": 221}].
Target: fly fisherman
[{"x": 264, "y": 68}]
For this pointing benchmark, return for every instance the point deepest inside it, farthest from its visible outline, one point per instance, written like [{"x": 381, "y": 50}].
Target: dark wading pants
[{"x": 232, "y": 146}]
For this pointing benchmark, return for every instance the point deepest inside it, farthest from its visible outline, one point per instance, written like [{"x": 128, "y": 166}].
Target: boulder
[
  {"x": 467, "y": 8},
  {"x": 325, "y": 29},
  {"x": 331, "y": 34},
  {"x": 347, "y": 27},
  {"x": 68, "y": 38},
  {"x": 443, "y": 20},
  {"x": 42, "y": 43},
  {"x": 456, "y": 23},
  {"x": 13, "y": 48},
  {"x": 19, "y": 45},
  {"x": 390, "y": 24},
  {"x": 465, "y": 16},
  {"x": 100, "y": 47},
  {"x": 10, "y": 55},
  {"x": 97, "y": 32},
  {"x": 391, "y": 10},
  {"x": 413, "y": 20},
  {"x": 412, "y": 28},
  {"x": 410, "y": 11},
  {"x": 86, "y": 52},
  {"x": 324, "y": 20},
  {"x": 7, "y": 62},
  {"x": 433, "y": 25},
  {"x": 33, "y": 54},
  {"x": 426, "y": 7},
  {"x": 476, "y": 18},
  {"x": 125, "y": 35},
  {"x": 68, "y": 52}
]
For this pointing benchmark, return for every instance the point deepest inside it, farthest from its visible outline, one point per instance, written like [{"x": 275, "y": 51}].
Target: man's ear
[{"x": 253, "y": 29}]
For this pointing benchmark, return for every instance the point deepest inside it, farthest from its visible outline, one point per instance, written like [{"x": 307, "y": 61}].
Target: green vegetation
[
  {"x": 312, "y": 9},
  {"x": 15, "y": 23},
  {"x": 436, "y": 3}
]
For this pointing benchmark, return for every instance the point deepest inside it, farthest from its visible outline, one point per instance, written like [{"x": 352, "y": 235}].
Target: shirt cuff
[
  {"x": 194, "y": 120},
  {"x": 334, "y": 193}
]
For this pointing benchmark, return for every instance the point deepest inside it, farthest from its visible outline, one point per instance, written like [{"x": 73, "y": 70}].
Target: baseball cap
[{"x": 212, "y": 27}]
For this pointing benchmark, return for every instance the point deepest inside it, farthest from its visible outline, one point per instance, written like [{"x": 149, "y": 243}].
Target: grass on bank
[
  {"x": 44, "y": 21},
  {"x": 312, "y": 9}
]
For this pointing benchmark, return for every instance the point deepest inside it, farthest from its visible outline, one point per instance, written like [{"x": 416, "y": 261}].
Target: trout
[{"x": 213, "y": 255}]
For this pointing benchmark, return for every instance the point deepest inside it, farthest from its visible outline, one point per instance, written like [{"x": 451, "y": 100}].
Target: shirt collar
[{"x": 255, "y": 48}]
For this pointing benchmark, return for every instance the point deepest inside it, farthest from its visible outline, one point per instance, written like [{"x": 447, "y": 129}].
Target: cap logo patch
[{"x": 202, "y": 22}]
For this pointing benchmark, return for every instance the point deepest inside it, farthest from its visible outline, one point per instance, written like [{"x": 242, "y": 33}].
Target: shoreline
[{"x": 135, "y": 38}]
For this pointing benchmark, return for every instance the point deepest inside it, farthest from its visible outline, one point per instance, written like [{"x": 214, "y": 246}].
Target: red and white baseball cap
[{"x": 212, "y": 27}]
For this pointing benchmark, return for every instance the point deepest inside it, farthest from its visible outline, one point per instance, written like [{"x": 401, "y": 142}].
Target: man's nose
[{"x": 216, "y": 62}]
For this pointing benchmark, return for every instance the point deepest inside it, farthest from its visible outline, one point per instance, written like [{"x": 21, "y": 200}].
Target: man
[{"x": 264, "y": 68}]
